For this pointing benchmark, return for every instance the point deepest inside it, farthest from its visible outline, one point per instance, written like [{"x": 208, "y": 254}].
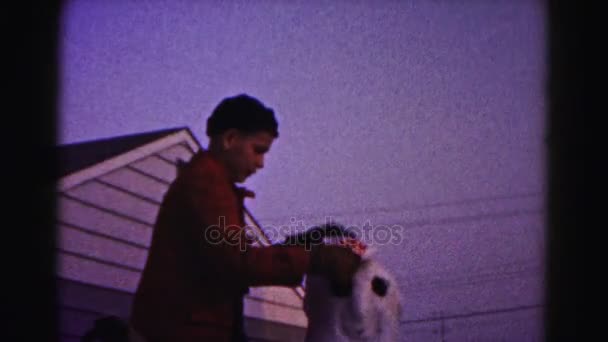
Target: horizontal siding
[
  {"x": 156, "y": 167},
  {"x": 108, "y": 276},
  {"x": 89, "y": 297},
  {"x": 81, "y": 215},
  {"x": 177, "y": 152},
  {"x": 105, "y": 227},
  {"x": 260, "y": 330},
  {"x": 78, "y": 241},
  {"x": 137, "y": 183},
  {"x": 276, "y": 313},
  {"x": 81, "y": 304},
  {"x": 115, "y": 200},
  {"x": 96, "y": 273},
  {"x": 86, "y": 271},
  {"x": 277, "y": 294},
  {"x": 74, "y": 324}
]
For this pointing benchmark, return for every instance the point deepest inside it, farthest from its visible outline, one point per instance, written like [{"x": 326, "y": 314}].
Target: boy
[{"x": 200, "y": 264}]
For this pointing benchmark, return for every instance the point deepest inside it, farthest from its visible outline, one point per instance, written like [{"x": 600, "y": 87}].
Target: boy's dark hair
[{"x": 244, "y": 113}]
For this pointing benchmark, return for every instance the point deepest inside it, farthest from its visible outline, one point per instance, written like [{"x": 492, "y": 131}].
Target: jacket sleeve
[{"x": 217, "y": 225}]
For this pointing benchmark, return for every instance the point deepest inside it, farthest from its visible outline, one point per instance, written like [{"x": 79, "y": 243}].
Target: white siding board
[
  {"x": 147, "y": 177},
  {"x": 73, "y": 212},
  {"x": 118, "y": 201},
  {"x": 156, "y": 167},
  {"x": 177, "y": 152},
  {"x": 119, "y": 161},
  {"x": 275, "y": 313},
  {"x": 137, "y": 183},
  {"x": 94, "y": 298},
  {"x": 95, "y": 273},
  {"x": 279, "y": 294},
  {"x": 77, "y": 241}
]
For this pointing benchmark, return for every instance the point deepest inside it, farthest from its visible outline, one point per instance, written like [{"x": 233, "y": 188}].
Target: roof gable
[{"x": 78, "y": 156}]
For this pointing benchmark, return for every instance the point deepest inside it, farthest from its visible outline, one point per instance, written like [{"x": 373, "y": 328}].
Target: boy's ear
[{"x": 229, "y": 138}]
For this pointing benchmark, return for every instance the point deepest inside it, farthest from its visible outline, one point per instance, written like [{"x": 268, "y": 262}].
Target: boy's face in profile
[{"x": 245, "y": 153}]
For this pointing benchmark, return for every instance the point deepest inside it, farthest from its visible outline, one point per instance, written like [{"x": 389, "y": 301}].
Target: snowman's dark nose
[{"x": 379, "y": 286}]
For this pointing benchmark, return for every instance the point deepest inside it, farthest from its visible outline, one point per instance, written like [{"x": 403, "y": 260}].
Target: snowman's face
[{"x": 358, "y": 317}]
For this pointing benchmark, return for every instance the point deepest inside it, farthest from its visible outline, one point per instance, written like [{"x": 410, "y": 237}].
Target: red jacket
[{"x": 200, "y": 264}]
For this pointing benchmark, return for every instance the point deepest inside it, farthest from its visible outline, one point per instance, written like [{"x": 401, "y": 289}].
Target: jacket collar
[{"x": 241, "y": 192}]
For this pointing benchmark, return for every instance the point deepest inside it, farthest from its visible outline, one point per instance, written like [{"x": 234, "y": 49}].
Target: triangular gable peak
[{"x": 100, "y": 157}]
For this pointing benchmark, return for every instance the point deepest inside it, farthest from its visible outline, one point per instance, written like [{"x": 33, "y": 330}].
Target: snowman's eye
[{"x": 379, "y": 286}]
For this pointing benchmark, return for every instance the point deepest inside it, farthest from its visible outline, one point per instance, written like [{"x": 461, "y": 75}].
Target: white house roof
[
  {"x": 78, "y": 156},
  {"x": 85, "y": 160}
]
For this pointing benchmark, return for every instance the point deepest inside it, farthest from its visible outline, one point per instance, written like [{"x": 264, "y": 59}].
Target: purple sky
[{"x": 381, "y": 104}]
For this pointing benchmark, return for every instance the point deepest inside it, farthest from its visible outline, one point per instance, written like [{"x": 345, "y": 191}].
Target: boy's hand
[{"x": 337, "y": 264}]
